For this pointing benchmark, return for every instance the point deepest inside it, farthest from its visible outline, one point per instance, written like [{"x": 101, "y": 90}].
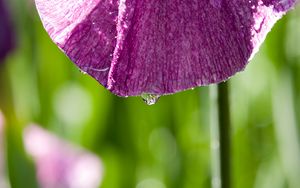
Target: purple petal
[
  {"x": 160, "y": 47},
  {"x": 6, "y": 33}
]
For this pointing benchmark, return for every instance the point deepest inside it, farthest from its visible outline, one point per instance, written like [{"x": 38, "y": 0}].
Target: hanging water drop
[
  {"x": 150, "y": 99},
  {"x": 83, "y": 72}
]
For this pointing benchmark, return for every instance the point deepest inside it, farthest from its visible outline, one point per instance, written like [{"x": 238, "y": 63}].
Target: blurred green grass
[{"x": 166, "y": 145}]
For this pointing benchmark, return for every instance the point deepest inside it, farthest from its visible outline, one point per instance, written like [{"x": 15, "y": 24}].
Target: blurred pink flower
[
  {"x": 1, "y": 148},
  {"x": 3, "y": 179},
  {"x": 60, "y": 164},
  {"x": 1, "y": 122}
]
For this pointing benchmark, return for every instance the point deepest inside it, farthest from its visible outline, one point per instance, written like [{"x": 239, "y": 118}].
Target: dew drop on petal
[
  {"x": 82, "y": 72},
  {"x": 150, "y": 99}
]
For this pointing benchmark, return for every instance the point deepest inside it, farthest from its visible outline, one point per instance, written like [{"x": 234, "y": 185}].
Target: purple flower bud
[
  {"x": 160, "y": 47},
  {"x": 60, "y": 164},
  {"x": 6, "y": 33}
]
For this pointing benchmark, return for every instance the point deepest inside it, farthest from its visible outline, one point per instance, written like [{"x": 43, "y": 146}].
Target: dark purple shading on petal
[
  {"x": 6, "y": 33},
  {"x": 160, "y": 47}
]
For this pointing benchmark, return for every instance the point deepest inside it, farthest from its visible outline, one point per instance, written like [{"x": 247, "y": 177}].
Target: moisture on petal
[{"x": 156, "y": 46}]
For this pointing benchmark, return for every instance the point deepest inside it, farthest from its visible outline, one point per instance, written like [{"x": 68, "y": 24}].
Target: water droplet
[
  {"x": 150, "y": 99},
  {"x": 83, "y": 72}
]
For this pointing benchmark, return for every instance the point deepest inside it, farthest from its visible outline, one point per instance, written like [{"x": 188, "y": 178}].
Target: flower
[
  {"x": 60, "y": 164},
  {"x": 1, "y": 122},
  {"x": 6, "y": 33},
  {"x": 160, "y": 47},
  {"x": 3, "y": 176}
]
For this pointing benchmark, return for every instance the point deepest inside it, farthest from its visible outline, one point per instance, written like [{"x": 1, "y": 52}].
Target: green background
[{"x": 166, "y": 145}]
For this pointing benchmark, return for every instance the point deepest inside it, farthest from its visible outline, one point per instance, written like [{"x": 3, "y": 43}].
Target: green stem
[{"x": 220, "y": 136}]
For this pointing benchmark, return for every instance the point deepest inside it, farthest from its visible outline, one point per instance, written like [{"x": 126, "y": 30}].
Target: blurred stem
[
  {"x": 285, "y": 126},
  {"x": 220, "y": 135}
]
